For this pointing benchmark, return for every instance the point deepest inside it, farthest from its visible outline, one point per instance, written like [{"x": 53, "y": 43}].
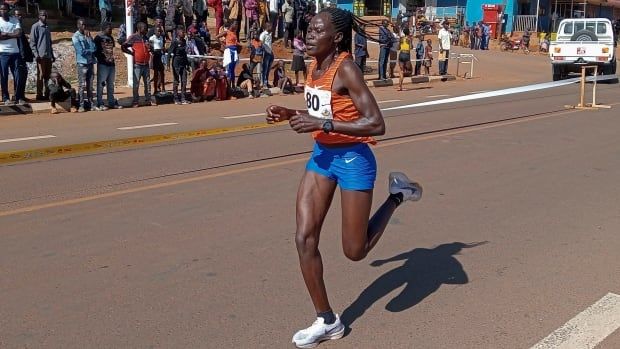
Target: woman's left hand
[{"x": 304, "y": 123}]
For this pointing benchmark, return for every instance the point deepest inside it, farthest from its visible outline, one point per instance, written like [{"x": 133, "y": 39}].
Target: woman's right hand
[{"x": 276, "y": 113}]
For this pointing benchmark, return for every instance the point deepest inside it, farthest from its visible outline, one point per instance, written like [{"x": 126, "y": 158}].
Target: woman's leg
[
  {"x": 155, "y": 81},
  {"x": 359, "y": 235},
  {"x": 313, "y": 200},
  {"x": 401, "y": 67},
  {"x": 297, "y": 78}
]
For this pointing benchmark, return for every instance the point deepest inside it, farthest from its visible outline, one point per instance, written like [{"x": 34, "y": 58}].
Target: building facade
[{"x": 541, "y": 15}]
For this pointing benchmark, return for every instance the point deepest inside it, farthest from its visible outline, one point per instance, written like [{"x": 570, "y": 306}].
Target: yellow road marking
[
  {"x": 22, "y": 155},
  {"x": 264, "y": 166}
]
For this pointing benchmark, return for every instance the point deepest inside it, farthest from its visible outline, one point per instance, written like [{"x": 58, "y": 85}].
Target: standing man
[
  {"x": 10, "y": 32},
  {"x": 361, "y": 49},
  {"x": 85, "y": 59},
  {"x": 138, "y": 46},
  {"x": 301, "y": 8},
  {"x": 274, "y": 14},
  {"x": 105, "y": 6},
  {"x": 26, "y": 56},
  {"x": 41, "y": 45},
  {"x": 444, "y": 38},
  {"x": 106, "y": 67},
  {"x": 289, "y": 15},
  {"x": 385, "y": 45},
  {"x": 266, "y": 40}
]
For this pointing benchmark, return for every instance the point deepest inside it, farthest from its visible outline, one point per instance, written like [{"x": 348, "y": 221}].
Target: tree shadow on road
[{"x": 423, "y": 272}]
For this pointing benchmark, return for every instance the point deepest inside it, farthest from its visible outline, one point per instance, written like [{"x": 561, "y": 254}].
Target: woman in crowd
[{"x": 299, "y": 51}]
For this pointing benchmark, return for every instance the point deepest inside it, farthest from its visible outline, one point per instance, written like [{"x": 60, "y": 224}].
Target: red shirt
[{"x": 141, "y": 49}]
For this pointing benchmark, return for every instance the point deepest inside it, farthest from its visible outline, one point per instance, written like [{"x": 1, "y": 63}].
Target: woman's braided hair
[{"x": 346, "y": 22}]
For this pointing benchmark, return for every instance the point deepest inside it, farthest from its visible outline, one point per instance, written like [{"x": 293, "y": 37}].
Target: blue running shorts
[{"x": 351, "y": 167}]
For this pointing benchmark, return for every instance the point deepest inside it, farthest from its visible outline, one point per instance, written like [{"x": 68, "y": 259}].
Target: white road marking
[
  {"x": 147, "y": 126},
  {"x": 25, "y": 138},
  {"x": 263, "y": 114},
  {"x": 483, "y": 91},
  {"x": 437, "y": 96},
  {"x": 588, "y": 328},
  {"x": 497, "y": 93},
  {"x": 242, "y": 116}
]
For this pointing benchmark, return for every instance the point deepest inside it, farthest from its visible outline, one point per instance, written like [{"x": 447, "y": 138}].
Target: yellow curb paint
[
  {"x": 263, "y": 166},
  {"x": 23, "y": 155}
]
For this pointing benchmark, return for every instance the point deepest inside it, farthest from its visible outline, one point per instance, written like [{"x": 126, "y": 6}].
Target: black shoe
[{"x": 42, "y": 98}]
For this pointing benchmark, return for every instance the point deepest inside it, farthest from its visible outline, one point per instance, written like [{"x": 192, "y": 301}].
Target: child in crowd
[
  {"x": 60, "y": 91},
  {"x": 180, "y": 65},
  {"x": 231, "y": 55},
  {"x": 299, "y": 51},
  {"x": 428, "y": 57},
  {"x": 159, "y": 61},
  {"x": 256, "y": 55}
]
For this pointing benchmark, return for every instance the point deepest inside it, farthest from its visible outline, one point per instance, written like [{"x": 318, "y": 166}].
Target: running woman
[{"x": 343, "y": 116}]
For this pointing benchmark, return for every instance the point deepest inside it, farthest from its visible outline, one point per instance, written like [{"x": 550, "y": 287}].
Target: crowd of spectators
[{"x": 168, "y": 38}]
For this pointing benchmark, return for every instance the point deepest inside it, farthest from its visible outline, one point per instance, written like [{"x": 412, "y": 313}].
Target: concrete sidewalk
[{"x": 124, "y": 94}]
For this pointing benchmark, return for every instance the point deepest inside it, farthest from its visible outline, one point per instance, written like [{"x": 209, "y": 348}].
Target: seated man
[
  {"x": 245, "y": 80},
  {"x": 283, "y": 82},
  {"x": 60, "y": 91}
]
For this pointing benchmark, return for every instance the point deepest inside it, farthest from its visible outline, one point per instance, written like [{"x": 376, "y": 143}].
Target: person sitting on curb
[
  {"x": 280, "y": 80},
  {"x": 245, "y": 80},
  {"x": 60, "y": 90}
]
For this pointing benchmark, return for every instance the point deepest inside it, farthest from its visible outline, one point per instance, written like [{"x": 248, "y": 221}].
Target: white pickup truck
[{"x": 583, "y": 41}]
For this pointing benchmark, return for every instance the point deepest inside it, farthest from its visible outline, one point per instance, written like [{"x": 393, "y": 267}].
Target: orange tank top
[{"x": 324, "y": 103}]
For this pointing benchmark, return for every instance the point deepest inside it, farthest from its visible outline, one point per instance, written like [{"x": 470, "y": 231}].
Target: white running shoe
[
  {"x": 318, "y": 332},
  {"x": 399, "y": 183}
]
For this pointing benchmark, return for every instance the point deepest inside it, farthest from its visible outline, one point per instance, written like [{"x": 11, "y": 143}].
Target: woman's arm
[{"x": 350, "y": 80}]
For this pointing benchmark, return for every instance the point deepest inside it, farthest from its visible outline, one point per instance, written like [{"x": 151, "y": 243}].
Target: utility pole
[{"x": 129, "y": 29}]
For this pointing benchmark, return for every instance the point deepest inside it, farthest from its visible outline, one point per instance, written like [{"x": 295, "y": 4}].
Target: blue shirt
[
  {"x": 385, "y": 37},
  {"x": 105, "y": 4},
  {"x": 84, "y": 48},
  {"x": 360, "y": 41}
]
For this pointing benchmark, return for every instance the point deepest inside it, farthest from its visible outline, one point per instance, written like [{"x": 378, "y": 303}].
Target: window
[
  {"x": 601, "y": 28},
  {"x": 579, "y": 26},
  {"x": 568, "y": 28}
]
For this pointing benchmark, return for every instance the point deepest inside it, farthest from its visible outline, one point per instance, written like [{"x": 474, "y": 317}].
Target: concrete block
[
  {"x": 381, "y": 83},
  {"x": 419, "y": 79}
]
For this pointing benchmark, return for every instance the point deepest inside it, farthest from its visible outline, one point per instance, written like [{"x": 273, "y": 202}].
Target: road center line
[
  {"x": 147, "y": 126},
  {"x": 389, "y": 101},
  {"x": 25, "y": 139},
  {"x": 437, "y": 96},
  {"x": 588, "y": 328},
  {"x": 242, "y": 116}
]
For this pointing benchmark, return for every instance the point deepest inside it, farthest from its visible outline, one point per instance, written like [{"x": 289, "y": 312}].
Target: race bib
[{"x": 319, "y": 102}]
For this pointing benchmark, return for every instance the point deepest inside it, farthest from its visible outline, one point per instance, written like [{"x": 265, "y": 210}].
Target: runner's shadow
[{"x": 423, "y": 272}]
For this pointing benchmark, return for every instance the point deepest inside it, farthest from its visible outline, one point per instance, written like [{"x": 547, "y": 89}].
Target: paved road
[{"x": 190, "y": 245}]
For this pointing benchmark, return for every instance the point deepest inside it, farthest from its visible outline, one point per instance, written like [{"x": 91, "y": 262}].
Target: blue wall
[
  {"x": 346, "y": 5},
  {"x": 473, "y": 11}
]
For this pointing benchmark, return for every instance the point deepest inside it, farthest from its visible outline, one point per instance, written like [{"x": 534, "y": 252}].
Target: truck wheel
[
  {"x": 557, "y": 72},
  {"x": 584, "y": 35}
]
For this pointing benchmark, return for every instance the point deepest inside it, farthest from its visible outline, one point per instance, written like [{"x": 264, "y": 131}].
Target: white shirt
[
  {"x": 158, "y": 43},
  {"x": 265, "y": 38},
  {"x": 9, "y": 27},
  {"x": 444, "y": 37},
  {"x": 273, "y": 5}
]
